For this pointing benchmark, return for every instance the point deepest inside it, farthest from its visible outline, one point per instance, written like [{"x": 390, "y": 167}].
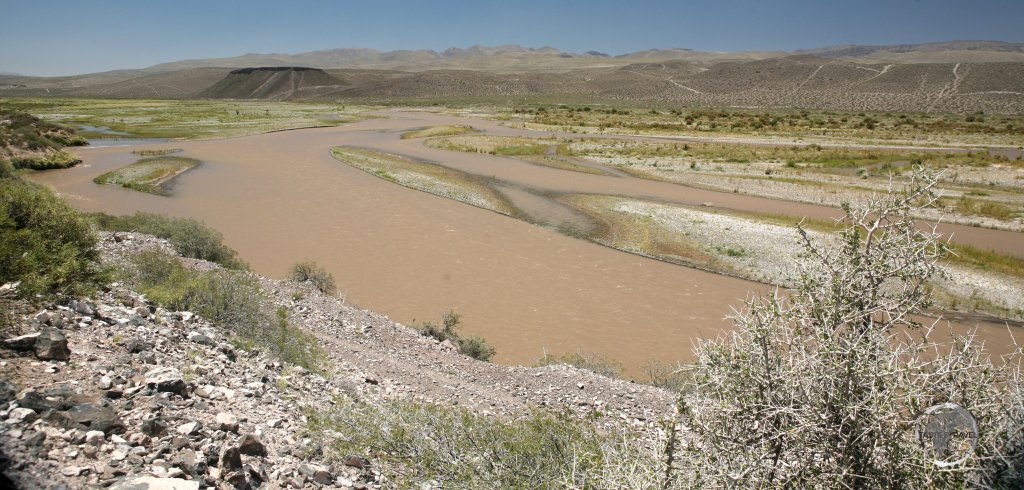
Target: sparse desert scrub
[
  {"x": 827, "y": 386},
  {"x": 310, "y": 272},
  {"x": 414, "y": 444},
  {"x": 232, "y": 300},
  {"x": 433, "y": 178},
  {"x": 152, "y": 175},
  {"x": 189, "y": 237},
  {"x": 473, "y": 346},
  {"x": 434, "y": 131}
]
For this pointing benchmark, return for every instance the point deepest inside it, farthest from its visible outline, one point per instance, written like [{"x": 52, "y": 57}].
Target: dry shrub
[{"x": 826, "y": 387}]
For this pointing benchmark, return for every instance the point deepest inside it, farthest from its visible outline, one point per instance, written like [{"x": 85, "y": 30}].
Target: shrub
[
  {"x": 825, "y": 387},
  {"x": 672, "y": 377},
  {"x": 190, "y": 237},
  {"x": 475, "y": 347},
  {"x": 416, "y": 443},
  {"x": 310, "y": 272},
  {"x": 597, "y": 363},
  {"x": 46, "y": 245},
  {"x": 232, "y": 300},
  {"x": 6, "y": 169},
  {"x": 46, "y": 161}
]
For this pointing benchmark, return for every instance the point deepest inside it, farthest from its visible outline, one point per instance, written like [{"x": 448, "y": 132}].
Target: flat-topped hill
[{"x": 276, "y": 83}]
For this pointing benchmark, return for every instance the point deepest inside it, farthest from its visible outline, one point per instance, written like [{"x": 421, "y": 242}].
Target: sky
[{"x": 58, "y": 37}]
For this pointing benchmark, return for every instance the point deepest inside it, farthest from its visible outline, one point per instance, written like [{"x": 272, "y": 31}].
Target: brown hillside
[{"x": 273, "y": 83}]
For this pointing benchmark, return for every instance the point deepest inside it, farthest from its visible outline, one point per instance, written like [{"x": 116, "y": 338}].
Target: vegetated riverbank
[
  {"x": 188, "y": 119},
  {"x": 30, "y": 143},
  {"x": 153, "y": 175}
]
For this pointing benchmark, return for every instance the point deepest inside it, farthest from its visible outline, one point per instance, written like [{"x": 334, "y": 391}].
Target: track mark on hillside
[
  {"x": 949, "y": 89},
  {"x": 880, "y": 73},
  {"x": 798, "y": 87},
  {"x": 677, "y": 84}
]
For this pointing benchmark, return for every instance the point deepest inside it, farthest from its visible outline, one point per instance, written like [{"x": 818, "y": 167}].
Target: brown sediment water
[{"x": 280, "y": 198}]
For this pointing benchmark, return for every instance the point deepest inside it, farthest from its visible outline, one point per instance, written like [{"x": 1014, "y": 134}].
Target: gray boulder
[
  {"x": 166, "y": 379},
  {"x": 52, "y": 345}
]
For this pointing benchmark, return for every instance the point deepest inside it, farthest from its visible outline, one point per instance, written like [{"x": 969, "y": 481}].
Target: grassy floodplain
[
  {"x": 187, "y": 119},
  {"x": 152, "y": 175}
]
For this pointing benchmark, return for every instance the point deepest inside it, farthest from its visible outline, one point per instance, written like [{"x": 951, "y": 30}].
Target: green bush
[
  {"x": 475, "y": 347},
  {"x": 309, "y": 271},
  {"x": 232, "y": 300},
  {"x": 605, "y": 366},
  {"x": 46, "y": 245},
  {"x": 191, "y": 238},
  {"x": 46, "y": 161},
  {"x": 415, "y": 443}
]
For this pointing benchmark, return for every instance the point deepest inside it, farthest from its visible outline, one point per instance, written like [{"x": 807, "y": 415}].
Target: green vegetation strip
[
  {"x": 188, "y": 119},
  {"x": 427, "y": 177},
  {"x": 151, "y": 175},
  {"x": 433, "y": 131}
]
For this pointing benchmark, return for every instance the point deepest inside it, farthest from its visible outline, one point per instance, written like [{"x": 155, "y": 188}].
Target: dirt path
[{"x": 280, "y": 198}]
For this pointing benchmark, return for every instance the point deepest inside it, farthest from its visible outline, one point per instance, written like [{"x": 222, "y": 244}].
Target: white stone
[
  {"x": 95, "y": 437},
  {"x": 189, "y": 428},
  {"x": 72, "y": 470},
  {"x": 21, "y": 414}
]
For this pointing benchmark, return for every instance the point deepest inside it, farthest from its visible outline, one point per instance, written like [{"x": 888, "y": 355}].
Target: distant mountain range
[
  {"x": 952, "y": 76},
  {"x": 516, "y": 58}
]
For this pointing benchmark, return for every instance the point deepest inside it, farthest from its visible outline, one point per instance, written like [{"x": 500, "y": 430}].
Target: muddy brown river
[{"x": 280, "y": 198}]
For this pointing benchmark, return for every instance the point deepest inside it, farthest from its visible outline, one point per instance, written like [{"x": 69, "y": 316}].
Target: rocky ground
[{"x": 117, "y": 392}]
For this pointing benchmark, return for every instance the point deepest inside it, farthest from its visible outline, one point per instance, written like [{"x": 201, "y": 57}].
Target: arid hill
[
  {"x": 842, "y": 78},
  {"x": 273, "y": 83}
]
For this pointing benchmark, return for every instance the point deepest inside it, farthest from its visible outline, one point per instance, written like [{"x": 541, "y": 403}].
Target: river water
[{"x": 280, "y": 198}]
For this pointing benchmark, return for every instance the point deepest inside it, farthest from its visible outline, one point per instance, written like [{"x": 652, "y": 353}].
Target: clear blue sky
[{"x": 58, "y": 37}]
